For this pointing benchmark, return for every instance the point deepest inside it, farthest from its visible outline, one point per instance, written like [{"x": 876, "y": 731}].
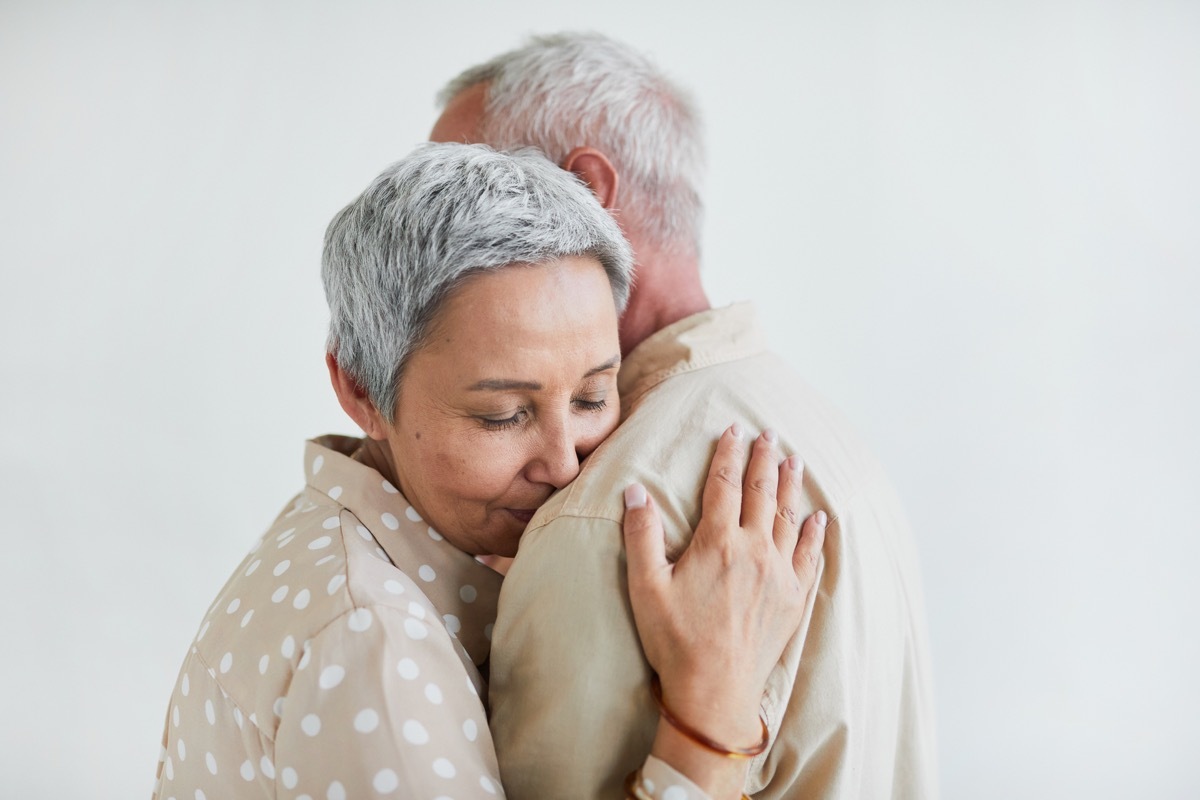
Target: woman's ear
[
  {"x": 355, "y": 402},
  {"x": 594, "y": 169}
]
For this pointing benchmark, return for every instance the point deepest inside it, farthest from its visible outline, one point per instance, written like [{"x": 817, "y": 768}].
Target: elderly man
[{"x": 849, "y": 705}]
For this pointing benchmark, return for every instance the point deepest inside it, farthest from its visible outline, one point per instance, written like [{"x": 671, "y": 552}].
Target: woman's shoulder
[{"x": 317, "y": 569}]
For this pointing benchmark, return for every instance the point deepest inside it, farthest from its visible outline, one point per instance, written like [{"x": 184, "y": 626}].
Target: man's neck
[{"x": 666, "y": 289}]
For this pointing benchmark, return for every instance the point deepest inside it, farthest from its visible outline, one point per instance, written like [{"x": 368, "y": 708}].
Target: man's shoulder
[{"x": 667, "y": 439}]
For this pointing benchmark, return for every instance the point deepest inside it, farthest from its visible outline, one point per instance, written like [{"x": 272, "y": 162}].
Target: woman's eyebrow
[
  {"x": 511, "y": 384},
  {"x": 503, "y": 384},
  {"x": 607, "y": 365}
]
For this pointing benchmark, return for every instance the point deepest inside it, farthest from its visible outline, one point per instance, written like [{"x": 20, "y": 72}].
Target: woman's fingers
[
  {"x": 645, "y": 547},
  {"x": 808, "y": 550},
  {"x": 723, "y": 487},
  {"x": 762, "y": 481},
  {"x": 787, "y": 517}
]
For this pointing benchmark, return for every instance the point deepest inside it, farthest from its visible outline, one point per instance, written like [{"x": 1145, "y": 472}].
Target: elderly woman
[{"x": 474, "y": 300}]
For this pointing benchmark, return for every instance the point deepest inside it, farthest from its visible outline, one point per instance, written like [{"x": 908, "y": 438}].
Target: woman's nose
[{"x": 557, "y": 459}]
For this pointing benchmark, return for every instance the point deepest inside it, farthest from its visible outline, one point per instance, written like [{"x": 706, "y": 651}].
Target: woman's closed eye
[
  {"x": 591, "y": 404},
  {"x": 501, "y": 423}
]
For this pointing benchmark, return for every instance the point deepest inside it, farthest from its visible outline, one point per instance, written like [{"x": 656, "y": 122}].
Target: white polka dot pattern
[
  {"x": 366, "y": 720},
  {"x": 656, "y": 773},
  {"x": 310, "y": 724},
  {"x": 359, "y": 619},
  {"x": 415, "y": 630},
  {"x": 331, "y": 676},
  {"x": 281, "y": 691},
  {"x": 415, "y": 732},
  {"x": 385, "y": 781}
]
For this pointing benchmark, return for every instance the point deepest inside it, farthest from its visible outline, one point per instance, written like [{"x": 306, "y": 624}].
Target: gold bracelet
[
  {"x": 635, "y": 790},
  {"x": 700, "y": 738}
]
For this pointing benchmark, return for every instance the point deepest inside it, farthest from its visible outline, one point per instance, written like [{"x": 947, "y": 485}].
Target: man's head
[{"x": 598, "y": 108}]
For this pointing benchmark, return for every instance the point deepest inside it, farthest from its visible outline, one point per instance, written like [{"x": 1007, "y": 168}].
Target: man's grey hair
[
  {"x": 569, "y": 90},
  {"x": 430, "y": 221}
]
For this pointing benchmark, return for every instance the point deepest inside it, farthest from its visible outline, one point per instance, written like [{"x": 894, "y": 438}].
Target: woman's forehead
[{"x": 512, "y": 323}]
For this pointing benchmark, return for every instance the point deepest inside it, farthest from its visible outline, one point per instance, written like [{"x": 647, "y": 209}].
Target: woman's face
[{"x": 516, "y": 384}]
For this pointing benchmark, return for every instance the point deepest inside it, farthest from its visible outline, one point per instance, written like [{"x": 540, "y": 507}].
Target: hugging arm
[
  {"x": 714, "y": 623},
  {"x": 572, "y": 713}
]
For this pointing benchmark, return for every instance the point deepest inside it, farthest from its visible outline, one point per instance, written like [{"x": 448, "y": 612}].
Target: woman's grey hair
[
  {"x": 569, "y": 90},
  {"x": 427, "y": 223}
]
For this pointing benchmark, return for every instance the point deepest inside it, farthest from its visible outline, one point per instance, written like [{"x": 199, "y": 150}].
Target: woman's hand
[{"x": 714, "y": 624}]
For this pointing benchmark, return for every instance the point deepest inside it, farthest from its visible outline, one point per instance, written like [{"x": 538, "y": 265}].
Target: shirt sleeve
[
  {"x": 571, "y": 712},
  {"x": 660, "y": 781},
  {"x": 382, "y": 706}
]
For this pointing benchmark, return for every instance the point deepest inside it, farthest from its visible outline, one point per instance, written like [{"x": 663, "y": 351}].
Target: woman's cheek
[
  {"x": 493, "y": 468},
  {"x": 605, "y": 424}
]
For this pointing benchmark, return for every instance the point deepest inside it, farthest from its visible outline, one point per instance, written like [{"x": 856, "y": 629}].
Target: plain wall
[{"x": 972, "y": 225}]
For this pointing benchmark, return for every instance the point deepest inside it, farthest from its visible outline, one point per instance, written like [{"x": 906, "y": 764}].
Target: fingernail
[
  {"x": 794, "y": 463},
  {"x": 635, "y": 496},
  {"x": 821, "y": 518},
  {"x": 736, "y": 430},
  {"x": 770, "y": 435}
]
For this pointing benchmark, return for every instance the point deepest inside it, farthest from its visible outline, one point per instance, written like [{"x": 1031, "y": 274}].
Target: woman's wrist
[
  {"x": 721, "y": 711},
  {"x": 720, "y": 777},
  {"x": 704, "y": 729},
  {"x": 714, "y": 737}
]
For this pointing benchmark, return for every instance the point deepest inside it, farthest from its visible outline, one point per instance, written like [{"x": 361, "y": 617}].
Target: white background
[{"x": 973, "y": 225}]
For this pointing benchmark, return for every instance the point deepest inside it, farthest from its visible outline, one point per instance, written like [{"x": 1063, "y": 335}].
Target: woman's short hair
[
  {"x": 431, "y": 220},
  {"x": 565, "y": 90}
]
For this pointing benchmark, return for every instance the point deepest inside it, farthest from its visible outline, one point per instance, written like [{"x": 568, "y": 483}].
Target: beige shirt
[
  {"x": 342, "y": 658},
  {"x": 849, "y": 705}
]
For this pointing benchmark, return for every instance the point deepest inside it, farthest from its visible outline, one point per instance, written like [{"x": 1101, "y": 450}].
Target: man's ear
[
  {"x": 594, "y": 169},
  {"x": 355, "y": 402}
]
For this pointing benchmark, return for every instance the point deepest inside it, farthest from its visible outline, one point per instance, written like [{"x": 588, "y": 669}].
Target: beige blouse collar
[{"x": 462, "y": 590}]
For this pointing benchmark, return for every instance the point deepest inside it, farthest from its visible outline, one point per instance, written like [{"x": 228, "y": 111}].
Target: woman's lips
[{"x": 523, "y": 515}]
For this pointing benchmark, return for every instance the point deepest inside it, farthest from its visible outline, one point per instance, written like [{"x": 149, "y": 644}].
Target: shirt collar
[
  {"x": 463, "y": 591},
  {"x": 716, "y": 336}
]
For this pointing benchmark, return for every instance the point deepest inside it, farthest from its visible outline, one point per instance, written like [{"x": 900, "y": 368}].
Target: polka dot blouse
[{"x": 341, "y": 658}]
